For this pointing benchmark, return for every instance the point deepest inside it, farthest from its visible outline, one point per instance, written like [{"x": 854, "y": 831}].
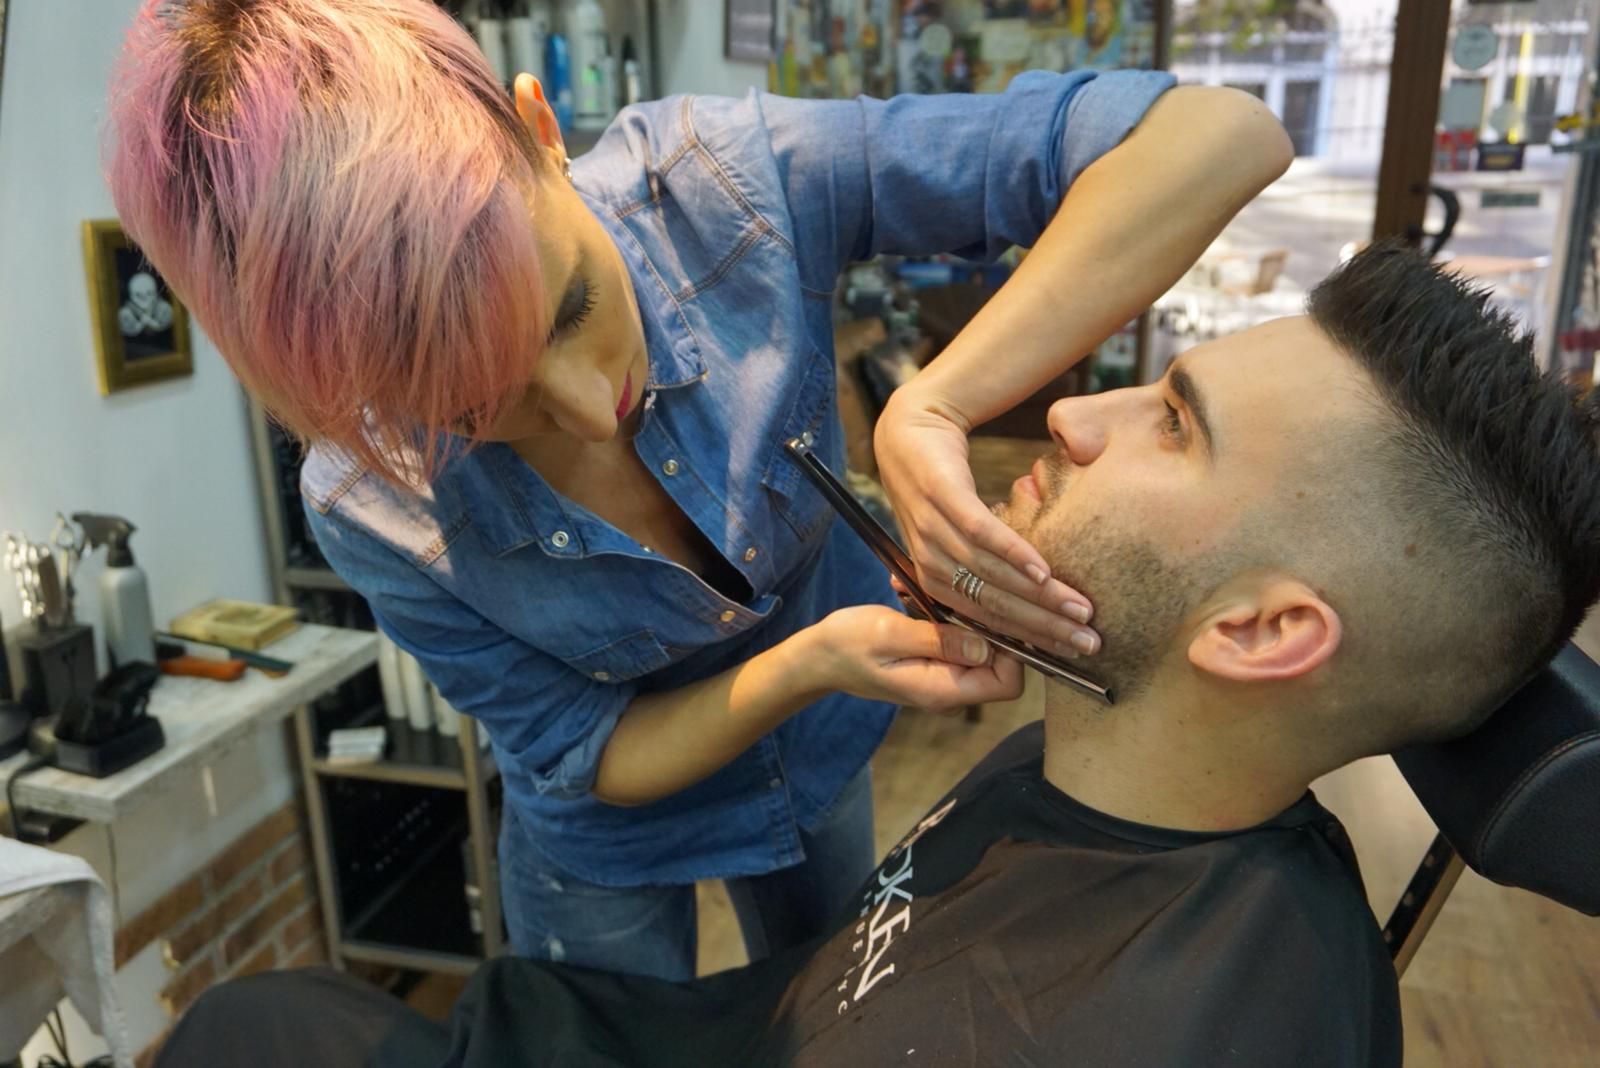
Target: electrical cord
[
  {"x": 11, "y": 802},
  {"x": 58, "y": 1035}
]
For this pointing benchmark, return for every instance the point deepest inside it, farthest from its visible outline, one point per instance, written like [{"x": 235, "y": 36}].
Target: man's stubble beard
[{"x": 1141, "y": 597}]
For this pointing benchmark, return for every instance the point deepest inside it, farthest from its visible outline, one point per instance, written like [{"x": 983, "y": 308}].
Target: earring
[{"x": 566, "y": 167}]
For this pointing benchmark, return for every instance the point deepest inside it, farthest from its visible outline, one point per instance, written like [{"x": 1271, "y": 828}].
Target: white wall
[
  {"x": 174, "y": 457},
  {"x": 691, "y": 34}
]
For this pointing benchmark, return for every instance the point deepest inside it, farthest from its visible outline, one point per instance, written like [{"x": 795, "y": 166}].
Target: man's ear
[
  {"x": 1277, "y": 629},
  {"x": 536, "y": 114}
]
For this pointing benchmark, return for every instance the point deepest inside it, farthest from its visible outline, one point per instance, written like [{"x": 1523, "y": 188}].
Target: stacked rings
[{"x": 967, "y": 583}]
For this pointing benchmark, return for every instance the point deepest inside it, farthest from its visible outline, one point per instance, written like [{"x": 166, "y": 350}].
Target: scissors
[{"x": 916, "y": 598}]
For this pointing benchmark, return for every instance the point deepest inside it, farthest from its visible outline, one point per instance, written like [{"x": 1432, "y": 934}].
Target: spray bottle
[{"x": 124, "y": 591}]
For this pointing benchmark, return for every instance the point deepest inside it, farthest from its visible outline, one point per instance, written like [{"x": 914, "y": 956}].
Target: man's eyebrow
[{"x": 1188, "y": 391}]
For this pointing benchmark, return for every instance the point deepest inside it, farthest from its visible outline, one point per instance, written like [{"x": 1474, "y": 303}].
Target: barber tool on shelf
[
  {"x": 111, "y": 728},
  {"x": 900, "y": 565},
  {"x": 14, "y": 719},
  {"x": 172, "y": 646},
  {"x": 55, "y": 654}
]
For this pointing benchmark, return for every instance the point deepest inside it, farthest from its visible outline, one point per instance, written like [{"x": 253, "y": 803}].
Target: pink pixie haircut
[{"x": 341, "y": 192}]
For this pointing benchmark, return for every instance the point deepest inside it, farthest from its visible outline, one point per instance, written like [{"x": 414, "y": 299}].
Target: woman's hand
[
  {"x": 877, "y": 653},
  {"x": 922, "y": 459}
]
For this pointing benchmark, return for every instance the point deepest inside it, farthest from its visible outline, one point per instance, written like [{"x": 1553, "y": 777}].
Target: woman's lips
[{"x": 627, "y": 397}]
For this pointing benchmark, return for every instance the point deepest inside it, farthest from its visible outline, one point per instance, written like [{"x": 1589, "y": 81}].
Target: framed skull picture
[{"x": 141, "y": 330}]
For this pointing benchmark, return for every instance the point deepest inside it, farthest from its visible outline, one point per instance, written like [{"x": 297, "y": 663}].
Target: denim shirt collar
[{"x": 674, "y": 348}]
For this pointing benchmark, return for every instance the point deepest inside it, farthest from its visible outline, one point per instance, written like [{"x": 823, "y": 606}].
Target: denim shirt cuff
[
  {"x": 573, "y": 776},
  {"x": 1103, "y": 112}
]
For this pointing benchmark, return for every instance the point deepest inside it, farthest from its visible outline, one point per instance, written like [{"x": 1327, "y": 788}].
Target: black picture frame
[{"x": 5, "y": 13}]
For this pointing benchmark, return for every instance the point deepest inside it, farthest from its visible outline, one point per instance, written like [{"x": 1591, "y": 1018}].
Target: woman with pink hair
[{"x": 545, "y": 403}]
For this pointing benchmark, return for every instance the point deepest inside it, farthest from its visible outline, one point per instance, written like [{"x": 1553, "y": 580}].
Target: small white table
[{"x": 201, "y": 718}]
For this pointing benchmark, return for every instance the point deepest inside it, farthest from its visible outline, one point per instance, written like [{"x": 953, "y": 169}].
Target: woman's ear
[
  {"x": 1282, "y": 629},
  {"x": 537, "y": 115}
]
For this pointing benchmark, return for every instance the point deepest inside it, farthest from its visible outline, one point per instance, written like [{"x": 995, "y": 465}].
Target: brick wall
[{"x": 254, "y": 907}]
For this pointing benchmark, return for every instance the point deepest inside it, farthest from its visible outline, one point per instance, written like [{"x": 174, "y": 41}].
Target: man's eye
[{"x": 1172, "y": 426}]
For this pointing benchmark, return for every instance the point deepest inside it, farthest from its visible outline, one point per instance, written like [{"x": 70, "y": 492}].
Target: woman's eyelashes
[{"x": 573, "y": 312}]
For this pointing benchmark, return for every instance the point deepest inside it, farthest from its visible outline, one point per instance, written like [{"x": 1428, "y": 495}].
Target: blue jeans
[{"x": 652, "y": 930}]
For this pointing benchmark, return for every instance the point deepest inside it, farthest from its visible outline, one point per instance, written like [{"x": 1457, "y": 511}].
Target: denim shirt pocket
[
  {"x": 627, "y": 658},
  {"x": 793, "y": 496}
]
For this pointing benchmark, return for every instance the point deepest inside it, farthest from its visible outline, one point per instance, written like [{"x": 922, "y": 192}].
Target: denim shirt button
[
  {"x": 727, "y": 616},
  {"x": 670, "y": 468},
  {"x": 560, "y": 539},
  {"x": 807, "y": 439},
  {"x": 749, "y": 554},
  {"x": 602, "y": 676},
  {"x": 776, "y": 784}
]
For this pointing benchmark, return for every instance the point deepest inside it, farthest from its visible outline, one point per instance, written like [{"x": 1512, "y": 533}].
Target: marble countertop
[{"x": 201, "y": 718}]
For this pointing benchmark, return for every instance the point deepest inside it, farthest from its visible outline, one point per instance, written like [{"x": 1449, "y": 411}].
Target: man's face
[{"x": 1148, "y": 501}]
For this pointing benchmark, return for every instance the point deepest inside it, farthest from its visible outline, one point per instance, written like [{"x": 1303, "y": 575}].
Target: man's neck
[{"x": 1166, "y": 761}]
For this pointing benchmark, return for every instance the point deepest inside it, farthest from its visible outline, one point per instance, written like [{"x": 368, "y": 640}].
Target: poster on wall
[{"x": 3, "y": 14}]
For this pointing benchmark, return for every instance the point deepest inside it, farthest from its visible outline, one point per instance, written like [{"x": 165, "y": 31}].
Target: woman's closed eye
[{"x": 576, "y": 305}]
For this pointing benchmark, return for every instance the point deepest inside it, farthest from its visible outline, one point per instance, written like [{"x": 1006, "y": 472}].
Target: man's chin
[{"x": 1017, "y": 512}]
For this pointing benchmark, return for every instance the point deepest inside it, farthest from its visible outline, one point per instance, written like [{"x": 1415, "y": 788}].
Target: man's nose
[
  {"x": 1084, "y": 425},
  {"x": 1076, "y": 426}
]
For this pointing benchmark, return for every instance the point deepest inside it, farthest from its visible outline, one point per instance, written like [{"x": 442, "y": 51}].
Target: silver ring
[{"x": 969, "y": 584}]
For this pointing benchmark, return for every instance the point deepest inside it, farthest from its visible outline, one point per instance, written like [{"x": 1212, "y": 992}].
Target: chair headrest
[{"x": 1519, "y": 798}]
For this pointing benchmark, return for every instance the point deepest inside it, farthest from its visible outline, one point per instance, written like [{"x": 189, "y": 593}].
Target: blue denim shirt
[{"x": 530, "y": 613}]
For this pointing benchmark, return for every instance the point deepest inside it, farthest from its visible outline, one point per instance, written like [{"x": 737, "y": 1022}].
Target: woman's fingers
[
  {"x": 938, "y": 684},
  {"x": 1045, "y": 616},
  {"x": 983, "y": 530},
  {"x": 1005, "y": 582}
]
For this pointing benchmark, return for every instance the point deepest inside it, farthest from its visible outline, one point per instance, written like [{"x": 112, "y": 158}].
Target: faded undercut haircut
[
  {"x": 340, "y": 190},
  {"x": 1476, "y": 500}
]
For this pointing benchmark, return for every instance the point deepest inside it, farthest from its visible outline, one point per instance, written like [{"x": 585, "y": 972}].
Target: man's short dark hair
[{"x": 1498, "y": 463}]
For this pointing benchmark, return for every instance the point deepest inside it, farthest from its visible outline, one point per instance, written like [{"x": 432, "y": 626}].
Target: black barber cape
[{"x": 1012, "y": 926}]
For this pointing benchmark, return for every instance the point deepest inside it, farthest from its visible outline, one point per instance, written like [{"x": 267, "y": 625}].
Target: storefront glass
[{"x": 1512, "y": 72}]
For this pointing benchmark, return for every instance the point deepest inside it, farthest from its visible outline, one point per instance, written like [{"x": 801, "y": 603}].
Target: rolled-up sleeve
[
  {"x": 552, "y": 719},
  {"x": 959, "y": 173}
]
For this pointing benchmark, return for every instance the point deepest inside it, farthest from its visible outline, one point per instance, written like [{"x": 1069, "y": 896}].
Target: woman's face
[{"x": 591, "y": 375}]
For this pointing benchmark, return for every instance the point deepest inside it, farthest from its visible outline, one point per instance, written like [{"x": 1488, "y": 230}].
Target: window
[{"x": 1300, "y": 101}]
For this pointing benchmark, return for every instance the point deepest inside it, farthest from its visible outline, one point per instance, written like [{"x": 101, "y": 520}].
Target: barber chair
[{"x": 1518, "y": 800}]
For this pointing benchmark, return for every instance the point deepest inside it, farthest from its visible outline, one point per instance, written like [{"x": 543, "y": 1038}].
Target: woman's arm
[
  {"x": 667, "y": 742},
  {"x": 1128, "y": 228},
  {"x": 573, "y": 734}
]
